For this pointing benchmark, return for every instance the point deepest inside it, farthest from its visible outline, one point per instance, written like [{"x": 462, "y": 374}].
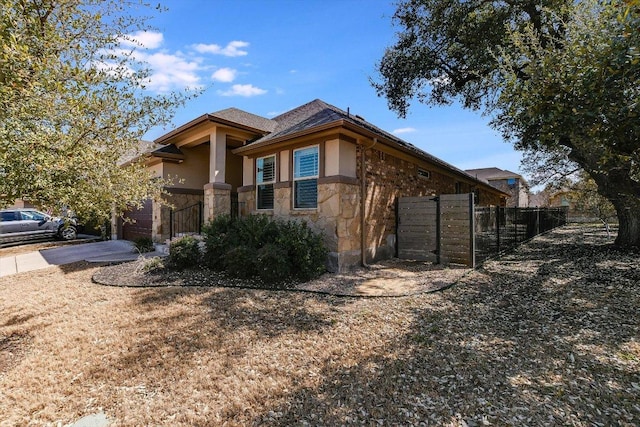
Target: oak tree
[
  {"x": 557, "y": 77},
  {"x": 73, "y": 105}
]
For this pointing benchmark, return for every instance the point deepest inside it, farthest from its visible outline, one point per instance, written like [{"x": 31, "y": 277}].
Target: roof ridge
[{"x": 246, "y": 118}]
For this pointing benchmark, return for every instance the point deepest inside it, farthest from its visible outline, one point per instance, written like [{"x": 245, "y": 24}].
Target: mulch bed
[{"x": 387, "y": 278}]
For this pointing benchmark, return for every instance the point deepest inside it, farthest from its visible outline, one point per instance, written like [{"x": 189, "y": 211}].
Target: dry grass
[{"x": 547, "y": 336}]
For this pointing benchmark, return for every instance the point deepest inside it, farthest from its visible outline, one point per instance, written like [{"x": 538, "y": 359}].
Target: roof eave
[
  {"x": 349, "y": 125},
  {"x": 164, "y": 139},
  {"x": 258, "y": 145}
]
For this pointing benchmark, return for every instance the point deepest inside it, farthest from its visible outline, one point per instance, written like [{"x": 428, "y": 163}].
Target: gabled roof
[
  {"x": 237, "y": 116},
  {"x": 232, "y": 117},
  {"x": 307, "y": 116},
  {"x": 318, "y": 113},
  {"x": 306, "y": 119}
]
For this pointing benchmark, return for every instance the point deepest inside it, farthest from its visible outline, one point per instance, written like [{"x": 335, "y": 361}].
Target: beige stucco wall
[
  {"x": 234, "y": 170},
  {"x": 156, "y": 169},
  {"x": 284, "y": 165},
  {"x": 340, "y": 158},
  {"x": 247, "y": 171},
  {"x": 193, "y": 172}
]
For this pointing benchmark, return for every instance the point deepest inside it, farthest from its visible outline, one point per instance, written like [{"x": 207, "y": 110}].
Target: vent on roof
[{"x": 360, "y": 117}]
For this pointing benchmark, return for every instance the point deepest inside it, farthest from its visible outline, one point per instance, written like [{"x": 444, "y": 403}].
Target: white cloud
[
  {"x": 404, "y": 130},
  {"x": 232, "y": 49},
  {"x": 243, "y": 90},
  {"x": 172, "y": 72},
  {"x": 225, "y": 75},
  {"x": 167, "y": 70},
  {"x": 145, "y": 39}
]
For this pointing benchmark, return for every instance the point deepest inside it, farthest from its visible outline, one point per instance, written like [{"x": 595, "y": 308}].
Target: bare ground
[{"x": 548, "y": 335}]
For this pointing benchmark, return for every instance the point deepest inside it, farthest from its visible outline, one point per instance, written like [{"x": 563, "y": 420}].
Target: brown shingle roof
[
  {"x": 241, "y": 117},
  {"x": 317, "y": 113}
]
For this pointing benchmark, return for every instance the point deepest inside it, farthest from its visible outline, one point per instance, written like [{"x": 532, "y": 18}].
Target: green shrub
[
  {"x": 219, "y": 238},
  {"x": 184, "y": 253},
  {"x": 273, "y": 265},
  {"x": 240, "y": 261},
  {"x": 305, "y": 249},
  {"x": 277, "y": 252},
  {"x": 143, "y": 244}
]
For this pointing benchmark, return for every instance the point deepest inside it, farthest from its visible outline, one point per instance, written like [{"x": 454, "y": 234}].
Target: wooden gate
[
  {"x": 457, "y": 230},
  {"x": 438, "y": 229},
  {"x": 417, "y": 230}
]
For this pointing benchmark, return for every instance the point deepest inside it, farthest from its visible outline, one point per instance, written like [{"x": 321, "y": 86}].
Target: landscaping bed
[
  {"x": 386, "y": 278},
  {"x": 547, "y": 335}
]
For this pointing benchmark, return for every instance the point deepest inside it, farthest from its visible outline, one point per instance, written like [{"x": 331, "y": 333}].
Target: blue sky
[{"x": 269, "y": 56}]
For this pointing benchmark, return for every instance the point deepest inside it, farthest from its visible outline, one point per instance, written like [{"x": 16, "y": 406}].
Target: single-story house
[
  {"x": 509, "y": 182},
  {"x": 317, "y": 163}
]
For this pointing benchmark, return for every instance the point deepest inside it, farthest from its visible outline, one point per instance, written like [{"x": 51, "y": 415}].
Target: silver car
[{"x": 26, "y": 224}]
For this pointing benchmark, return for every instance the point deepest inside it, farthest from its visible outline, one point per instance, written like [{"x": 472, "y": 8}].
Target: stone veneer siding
[
  {"x": 389, "y": 177},
  {"x": 217, "y": 200},
  {"x": 179, "y": 199},
  {"x": 337, "y": 216}
]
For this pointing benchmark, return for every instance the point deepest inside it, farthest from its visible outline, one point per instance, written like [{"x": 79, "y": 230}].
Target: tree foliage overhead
[
  {"x": 73, "y": 105},
  {"x": 559, "y": 79}
]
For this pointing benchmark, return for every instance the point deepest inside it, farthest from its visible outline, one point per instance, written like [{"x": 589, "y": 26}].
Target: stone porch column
[
  {"x": 217, "y": 156},
  {"x": 217, "y": 200},
  {"x": 217, "y": 193}
]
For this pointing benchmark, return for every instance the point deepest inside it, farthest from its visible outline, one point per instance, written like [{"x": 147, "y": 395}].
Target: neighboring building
[
  {"x": 312, "y": 163},
  {"x": 576, "y": 209},
  {"x": 509, "y": 182},
  {"x": 21, "y": 203}
]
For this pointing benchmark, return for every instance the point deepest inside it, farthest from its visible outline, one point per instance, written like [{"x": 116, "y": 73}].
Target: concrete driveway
[{"x": 107, "y": 251}]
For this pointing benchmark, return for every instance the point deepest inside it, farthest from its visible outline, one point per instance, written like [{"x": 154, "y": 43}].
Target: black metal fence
[
  {"x": 235, "y": 208},
  {"x": 499, "y": 228},
  {"x": 186, "y": 220}
]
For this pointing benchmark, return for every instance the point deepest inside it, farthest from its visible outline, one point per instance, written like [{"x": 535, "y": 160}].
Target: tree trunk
[
  {"x": 623, "y": 193},
  {"x": 628, "y": 211}
]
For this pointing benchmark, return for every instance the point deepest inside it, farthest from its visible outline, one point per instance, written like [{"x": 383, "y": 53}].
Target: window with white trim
[
  {"x": 305, "y": 177},
  {"x": 265, "y": 178}
]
